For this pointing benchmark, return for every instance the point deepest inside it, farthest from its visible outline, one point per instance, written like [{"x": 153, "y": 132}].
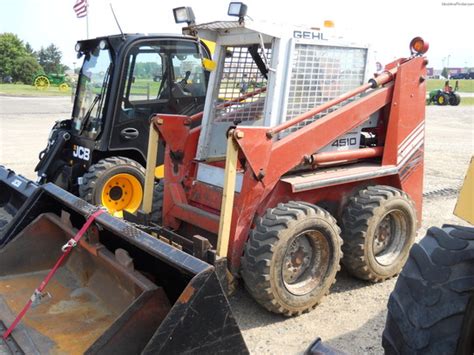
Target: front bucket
[
  {"x": 14, "y": 191},
  {"x": 119, "y": 291}
]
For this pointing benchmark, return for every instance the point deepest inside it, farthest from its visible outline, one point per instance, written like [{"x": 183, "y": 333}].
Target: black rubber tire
[
  {"x": 265, "y": 251},
  {"x": 431, "y": 309},
  {"x": 360, "y": 221},
  {"x": 93, "y": 181},
  {"x": 454, "y": 99},
  {"x": 157, "y": 206}
]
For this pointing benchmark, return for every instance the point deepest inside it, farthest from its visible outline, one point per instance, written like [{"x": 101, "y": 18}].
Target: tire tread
[
  {"x": 425, "y": 311},
  {"x": 355, "y": 220},
  {"x": 260, "y": 246}
]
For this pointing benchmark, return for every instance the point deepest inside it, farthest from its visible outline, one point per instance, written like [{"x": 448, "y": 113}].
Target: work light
[
  {"x": 77, "y": 47},
  {"x": 184, "y": 14},
  {"x": 238, "y": 9}
]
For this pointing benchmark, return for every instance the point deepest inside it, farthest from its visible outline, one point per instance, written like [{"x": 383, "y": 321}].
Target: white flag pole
[{"x": 87, "y": 19}]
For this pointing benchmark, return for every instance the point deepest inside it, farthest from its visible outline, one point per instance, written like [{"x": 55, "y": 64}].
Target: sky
[{"x": 387, "y": 26}]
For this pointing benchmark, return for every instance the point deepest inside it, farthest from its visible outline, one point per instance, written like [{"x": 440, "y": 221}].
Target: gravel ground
[
  {"x": 352, "y": 317},
  {"x": 24, "y": 128}
]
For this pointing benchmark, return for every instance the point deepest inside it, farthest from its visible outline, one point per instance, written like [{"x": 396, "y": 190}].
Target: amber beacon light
[{"x": 418, "y": 46}]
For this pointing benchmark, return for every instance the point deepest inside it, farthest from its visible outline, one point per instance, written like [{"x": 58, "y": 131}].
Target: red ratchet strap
[{"x": 67, "y": 248}]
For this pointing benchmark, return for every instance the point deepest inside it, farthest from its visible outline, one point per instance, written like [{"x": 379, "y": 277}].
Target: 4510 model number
[{"x": 344, "y": 142}]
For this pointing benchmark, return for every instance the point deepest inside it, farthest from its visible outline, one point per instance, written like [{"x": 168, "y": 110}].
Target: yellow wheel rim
[
  {"x": 63, "y": 87},
  {"x": 122, "y": 192},
  {"x": 441, "y": 100},
  {"x": 42, "y": 82}
]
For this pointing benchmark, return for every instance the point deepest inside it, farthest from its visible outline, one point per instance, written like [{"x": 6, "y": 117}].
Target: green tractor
[
  {"x": 445, "y": 96},
  {"x": 43, "y": 81}
]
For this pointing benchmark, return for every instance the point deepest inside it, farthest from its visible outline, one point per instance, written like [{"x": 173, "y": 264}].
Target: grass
[
  {"x": 30, "y": 90},
  {"x": 140, "y": 88},
  {"x": 464, "y": 85},
  {"x": 143, "y": 89},
  {"x": 467, "y": 101}
]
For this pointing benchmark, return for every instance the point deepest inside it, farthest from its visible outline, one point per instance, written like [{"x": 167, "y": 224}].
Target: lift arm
[{"x": 269, "y": 159}]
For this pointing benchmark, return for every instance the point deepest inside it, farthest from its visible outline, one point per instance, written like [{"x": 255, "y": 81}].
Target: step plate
[{"x": 337, "y": 176}]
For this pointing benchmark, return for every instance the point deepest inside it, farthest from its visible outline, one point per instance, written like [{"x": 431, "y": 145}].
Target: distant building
[
  {"x": 433, "y": 73},
  {"x": 452, "y": 71}
]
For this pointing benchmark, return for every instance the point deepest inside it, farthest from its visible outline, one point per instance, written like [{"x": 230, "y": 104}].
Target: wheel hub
[
  {"x": 122, "y": 192},
  {"x": 116, "y": 193},
  {"x": 297, "y": 259},
  {"x": 389, "y": 237},
  {"x": 383, "y": 235},
  {"x": 305, "y": 262}
]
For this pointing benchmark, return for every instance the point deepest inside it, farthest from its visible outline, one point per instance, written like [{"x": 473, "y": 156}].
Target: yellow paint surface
[
  {"x": 160, "y": 172},
  {"x": 465, "y": 205}
]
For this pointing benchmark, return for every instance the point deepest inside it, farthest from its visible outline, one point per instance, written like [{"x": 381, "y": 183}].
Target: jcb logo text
[{"x": 81, "y": 152}]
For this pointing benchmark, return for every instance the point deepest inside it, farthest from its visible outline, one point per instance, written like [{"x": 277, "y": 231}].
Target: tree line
[{"x": 19, "y": 62}]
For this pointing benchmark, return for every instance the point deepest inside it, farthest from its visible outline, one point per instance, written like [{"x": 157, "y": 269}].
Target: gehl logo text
[{"x": 309, "y": 35}]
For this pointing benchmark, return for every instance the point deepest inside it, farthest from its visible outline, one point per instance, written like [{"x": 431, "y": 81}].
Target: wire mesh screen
[
  {"x": 319, "y": 74},
  {"x": 240, "y": 77}
]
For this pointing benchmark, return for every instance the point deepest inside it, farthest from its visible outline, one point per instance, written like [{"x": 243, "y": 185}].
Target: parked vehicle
[
  {"x": 43, "y": 81},
  {"x": 100, "y": 152},
  {"x": 459, "y": 76},
  {"x": 445, "y": 96}
]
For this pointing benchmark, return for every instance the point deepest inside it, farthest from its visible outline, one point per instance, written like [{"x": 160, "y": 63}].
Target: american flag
[{"x": 80, "y": 8}]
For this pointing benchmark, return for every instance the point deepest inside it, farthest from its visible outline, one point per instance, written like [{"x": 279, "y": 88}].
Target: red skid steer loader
[
  {"x": 295, "y": 155},
  {"x": 308, "y": 168}
]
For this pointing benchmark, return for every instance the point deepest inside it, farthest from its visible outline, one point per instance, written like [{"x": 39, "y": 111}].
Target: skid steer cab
[
  {"x": 100, "y": 153},
  {"x": 303, "y": 160}
]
